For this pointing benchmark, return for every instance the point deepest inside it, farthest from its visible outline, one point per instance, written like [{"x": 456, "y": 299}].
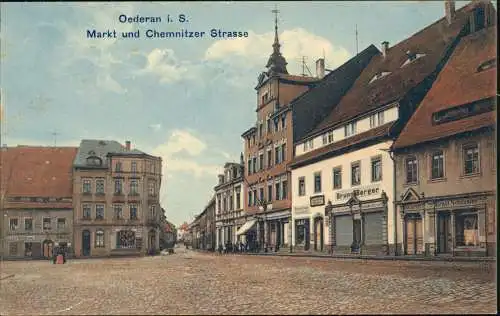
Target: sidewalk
[{"x": 366, "y": 257}]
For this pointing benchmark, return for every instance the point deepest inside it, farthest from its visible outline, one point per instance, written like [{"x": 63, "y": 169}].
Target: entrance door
[
  {"x": 318, "y": 234},
  {"x": 307, "y": 234},
  {"x": 410, "y": 236},
  {"x": 357, "y": 231},
  {"x": 48, "y": 246},
  {"x": 85, "y": 243},
  {"x": 443, "y": 232}
]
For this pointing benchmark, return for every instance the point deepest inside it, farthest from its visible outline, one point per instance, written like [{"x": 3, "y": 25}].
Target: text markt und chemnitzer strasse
[{"x": 152, "y": 33}]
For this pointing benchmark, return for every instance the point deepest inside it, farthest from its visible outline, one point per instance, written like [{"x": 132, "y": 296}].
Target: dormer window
[
  {"x": 380, "y": 75},
  {"x": 412, "y": 56},
  {"x": 94, "y": 161},
  {"x": 489, "y": 64},
  {"x": 265, "y": 97}
]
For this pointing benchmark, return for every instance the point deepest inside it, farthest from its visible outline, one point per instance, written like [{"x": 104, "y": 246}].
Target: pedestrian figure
[{"x": 220, "y": 249}]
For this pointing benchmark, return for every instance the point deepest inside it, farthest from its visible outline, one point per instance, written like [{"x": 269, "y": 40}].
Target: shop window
[
  {"x": 13, "y": 249},
  {"x": 466, "y": 230},
  {"x": 125, "y": 239},
  {"x": 28, "y": 249},
  {"x": 99, "y": 238}
]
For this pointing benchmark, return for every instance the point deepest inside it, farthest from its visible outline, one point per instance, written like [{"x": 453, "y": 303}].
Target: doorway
[
  {"x": 48, "y": 246},
  {"x": 152, "y": 240},
  {"x": 318, "y": 234},
  {"x": 414, "y": 236},
  {"x": 85, "y": 243},
  {"x": 444, "y": 233}
]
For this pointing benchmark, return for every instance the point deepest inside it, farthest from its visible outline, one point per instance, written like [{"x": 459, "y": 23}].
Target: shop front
[
  {"x": 276, "y": 226},
  {"x": 359, "y": 226},
  {"x": 455, "y": 226}
]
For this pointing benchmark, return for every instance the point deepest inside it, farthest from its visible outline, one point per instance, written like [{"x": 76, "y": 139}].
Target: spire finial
[
  {"x": 276, "y": 40},
  {"x": 276, "y": 63}
]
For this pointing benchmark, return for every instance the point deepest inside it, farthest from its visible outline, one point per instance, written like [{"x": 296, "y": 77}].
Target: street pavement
[{"x": 189, "y": 282}]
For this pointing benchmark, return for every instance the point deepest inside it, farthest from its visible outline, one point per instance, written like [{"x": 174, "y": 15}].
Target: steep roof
[
  {"x": 311, "y": 107},
  {"x": 100, "y": 148},
  {"x": 459, "y": 83},
  {"x": 364, "y": 96},
  {"x": 37, "y": 171}
]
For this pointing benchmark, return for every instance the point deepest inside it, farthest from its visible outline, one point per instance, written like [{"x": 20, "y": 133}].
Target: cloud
[
  {"x": 155, "y": 127},
  {"x": 296, "y": 43},
  {"x": 107, "y": 82},
  {"x": 182, "y": 140},
  {"x": 164, "y": 64}
]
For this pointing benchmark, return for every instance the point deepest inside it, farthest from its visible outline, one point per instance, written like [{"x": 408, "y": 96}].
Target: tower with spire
[{"x": 276, "y": 63}]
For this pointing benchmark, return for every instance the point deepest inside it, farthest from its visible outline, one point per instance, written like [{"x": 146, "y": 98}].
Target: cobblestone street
[{"x": 198, "y": 283}]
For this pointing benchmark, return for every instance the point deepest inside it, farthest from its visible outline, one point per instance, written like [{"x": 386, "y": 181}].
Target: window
[
  {"x": 250, "y": 201},
  {"x": 118, "y": 211},
  {"x": 373, "y": 121},
  {"x": 376, "y": 119},
  {"x": 86, "y": 211},
  {"x": 118, "y": 167},
  {"x": 300, "y": 229},
  {"x": 99, "y": 186},
  {"x": 283, "y": 122},
  {"x": 254, "y": 162},
  {"x": 231, "y": 202},
  {"x": 466, "y": 230},
  {"x": 276, "y": 125},
  {"x": 350, "y": 129},
  {"x": 255, "y": 198},
  {"x": 278, "y": 190},
  {"x": 118, "y": 186},
  {"x": 249, "y": 166},
  {"x": 125, "y": 239},
  {"x": 284, "y": 189},
  {"x": 380, "y": 116},
  {"x": 28, "y": 224},
  {"x": 325, "y": 139},
  {"x": 219, "y": 201},
  {"x": 265, "y": 97},
  {"x": 261, "y": 194},
  {"x": 13, "y": 248},
  {"x": 133, "y": 166},
  {"x": 47, "y": 223},
  {"x": 99, "y": 211},
  {"x": 61, "y": 223},
  {"x": 355, "y": 174},
  {"x": 134, "y": 187},
  {"x": 311, "y": 144},
  {"x": 411, "y": 170},
  {"x": 151, "y": 188},
  {"x": 87, "y": 186},
  {"x": 238, "y": 202},
  {"x": 283, "y": 152},
  {"x": 133, "y": 211},
  {"x": 317, "y": 182},
  {"x": 269, "y": 126},
  {"x": 302, "y": 186},
  {"x": 376, "y": 169},
  {"x": 330, "y": 137},
  {"x": 152, "y": 211},
  {"x": 471, "y": 159},
  {"x": 269, "y": 192},
  {"x": 28, "y": 249},
  {"x": 277, "y": 155},
  {"x": 13, "y": 224},
  {"x": 337, "y": 178},
  {"x": 437, "y": 165},
  {"x": 260, "y": 129},
  {"x": 224, "y": 204},
  {"x": 261, "y": 161},
  {"x": 99, "y": 238},
  {"x": 269, "y": 158},
  {"x": 305, "y": 146}
]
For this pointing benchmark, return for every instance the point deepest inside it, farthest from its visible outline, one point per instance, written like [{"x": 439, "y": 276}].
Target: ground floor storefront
[
  {"x": 449, "y": 225},
  {"x": 36, "y": 246},
  {"x": 359, "y": 226},
  {"x": 97, "y": 241}
]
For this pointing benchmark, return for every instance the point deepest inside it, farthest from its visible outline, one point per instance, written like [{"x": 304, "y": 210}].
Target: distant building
[
  {"x": 446, "y": 163},
  {"x": 36, "y": 200},
  {"x": 116, "y": 199}
]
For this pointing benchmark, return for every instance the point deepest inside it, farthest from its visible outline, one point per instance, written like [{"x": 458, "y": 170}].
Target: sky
[{"x": 186, "y": 100}]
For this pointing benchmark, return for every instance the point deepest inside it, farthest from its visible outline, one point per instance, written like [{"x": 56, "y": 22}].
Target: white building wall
[{"x": 300, "y": 204}]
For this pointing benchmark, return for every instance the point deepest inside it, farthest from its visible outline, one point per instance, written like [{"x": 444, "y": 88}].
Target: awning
[{"x": 246, "y": 227}]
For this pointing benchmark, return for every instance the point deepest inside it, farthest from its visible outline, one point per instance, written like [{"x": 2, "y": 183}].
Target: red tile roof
[
  {"x": 37, "y": 171},
  {"x": 331, "y": 149},
  {"x": 38, "y": 205},
  {"x": 459, "y": 83},
  {"x": 364, "y": 96}
]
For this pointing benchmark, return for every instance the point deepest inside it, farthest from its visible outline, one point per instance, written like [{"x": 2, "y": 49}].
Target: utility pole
[
  {"x": 55, "y": 133},
  {"x": 357, "y": 39}
]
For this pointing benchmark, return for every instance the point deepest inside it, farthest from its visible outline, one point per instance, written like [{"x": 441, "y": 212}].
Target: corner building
[
  {"x": 115, "y": 199},
  {"x": 268, "y": 149}
]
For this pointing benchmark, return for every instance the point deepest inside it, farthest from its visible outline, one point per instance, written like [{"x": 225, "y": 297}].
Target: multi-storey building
[
  {"x": 116, "y": 199},
  {"x": 446, "y": 155},
  {"x": 202, "y": 229},
  {"x": 36, "y": 200},
  {"x": 229, "y": 214},
  {"x": 345, "y": 161}
]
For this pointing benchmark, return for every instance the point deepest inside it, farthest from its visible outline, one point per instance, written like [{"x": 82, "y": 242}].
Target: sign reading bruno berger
[{"x": 361, "y": 192}]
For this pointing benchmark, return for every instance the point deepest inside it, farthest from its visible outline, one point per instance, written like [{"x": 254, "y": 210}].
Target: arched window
[
  {"x": 99, "y": 238},
  {"x": 94, "y": 161}
]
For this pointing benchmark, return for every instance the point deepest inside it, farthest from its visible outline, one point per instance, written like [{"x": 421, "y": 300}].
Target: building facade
[
  {"x": 268, "y": 149},
  {"x": 229, "y": 202},
  {"x": 36, "y": 205},
  {"x": 115, "y": 199},
  {"x": 350, "y": 148},
  {"x": 446, "y": 155}
]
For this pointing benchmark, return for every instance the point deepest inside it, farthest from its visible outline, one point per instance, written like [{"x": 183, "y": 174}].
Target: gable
[{"x": 410, "y": 195}]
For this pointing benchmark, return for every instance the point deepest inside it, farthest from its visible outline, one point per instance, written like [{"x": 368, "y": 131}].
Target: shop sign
[
  {"x": 361, "y": 192},
  {"x": 301, "y": 210},
  {"x": 317, "y": 200},
  {"x": 446, "y": 204}
]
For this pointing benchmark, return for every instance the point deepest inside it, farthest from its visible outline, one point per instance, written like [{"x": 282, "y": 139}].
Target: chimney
[
  {"x": 449, "y": 10},
  {"x": 127, "y": 145},
  {"x": 385, "y": 48},
  {"x": 320, "y": 68}
]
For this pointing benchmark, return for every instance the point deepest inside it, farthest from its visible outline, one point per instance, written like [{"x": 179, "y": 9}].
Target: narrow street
[{"x": 189, "y": 282}]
